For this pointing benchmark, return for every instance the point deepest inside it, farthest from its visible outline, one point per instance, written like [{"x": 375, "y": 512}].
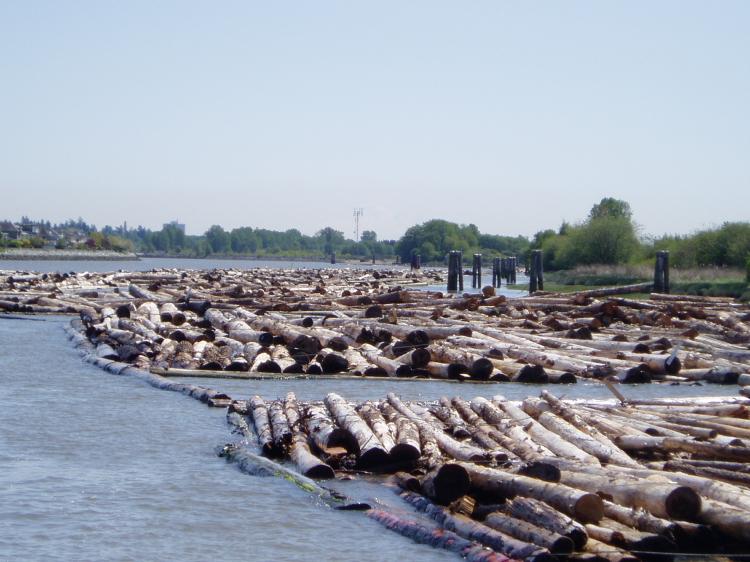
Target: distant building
[
  {"x": 175, "y": 224},
  {"x": 10, "y": 231},
  {"x": 31, "y": 228}
]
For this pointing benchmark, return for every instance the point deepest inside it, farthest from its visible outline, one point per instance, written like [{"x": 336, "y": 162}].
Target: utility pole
[{"x": 358, "y": 212}]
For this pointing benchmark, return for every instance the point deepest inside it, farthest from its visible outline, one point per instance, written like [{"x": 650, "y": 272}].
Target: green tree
[
  {"x": 218, "y": 240},
  {"x": 610, "y": 207}
]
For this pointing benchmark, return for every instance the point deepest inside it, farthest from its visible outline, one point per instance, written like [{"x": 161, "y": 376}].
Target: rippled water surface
[
  {"x": 99, "y": 467},
  {"x": 95, "y": 466}
]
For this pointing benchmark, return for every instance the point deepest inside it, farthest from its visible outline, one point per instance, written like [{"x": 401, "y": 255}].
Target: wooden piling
[
  {"x": 661, "y": 272},
  {"x": 460, "y": 270},
  {"x": 536, "y": 273},
  {"x": 416, "y": 261},
  {"x": 476, "y": 272},
  {"x": 453, "y": 270}
]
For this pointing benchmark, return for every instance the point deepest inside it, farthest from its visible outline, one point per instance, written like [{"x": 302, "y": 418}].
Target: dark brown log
[
  {"x": 446, "y": 483},
  {"x": 525, "y": 531},
  {"x": 476, "y": 531},
  {"x": 438, "y": 538}
]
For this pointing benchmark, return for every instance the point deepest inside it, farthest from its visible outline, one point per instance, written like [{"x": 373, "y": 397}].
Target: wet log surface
[{"x": 527, "y": 480}]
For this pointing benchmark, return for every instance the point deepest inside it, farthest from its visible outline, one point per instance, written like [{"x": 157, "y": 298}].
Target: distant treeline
[{"x": 608, "y": 236}]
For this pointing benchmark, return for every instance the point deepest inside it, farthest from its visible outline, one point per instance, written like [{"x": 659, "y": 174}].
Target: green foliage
[
  {"x": 610, "y": 207},
  {"x": 727, "y": 246},
  {"x": 435, "y": 238},
  {"x": 747, "y": 269}
]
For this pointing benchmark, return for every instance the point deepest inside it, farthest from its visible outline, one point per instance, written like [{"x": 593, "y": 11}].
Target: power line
[{"x": 358, "y": 212}]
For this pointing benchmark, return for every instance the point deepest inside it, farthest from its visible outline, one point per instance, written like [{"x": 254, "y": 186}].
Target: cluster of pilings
[{"x": 504, "y": 269}]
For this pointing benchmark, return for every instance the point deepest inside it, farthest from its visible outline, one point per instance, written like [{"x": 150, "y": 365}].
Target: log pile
[
  {"x": 370, "y": 322},
  {"x": 536, "y": 480},
  {"x": 502, "y": 480}
]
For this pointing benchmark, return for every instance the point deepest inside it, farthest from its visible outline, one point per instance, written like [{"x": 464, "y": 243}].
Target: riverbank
[
  {"x": 705, "y": 282},
  {"x": 32, "y": 254}
]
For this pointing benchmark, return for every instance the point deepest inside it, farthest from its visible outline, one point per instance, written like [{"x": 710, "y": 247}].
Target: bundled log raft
[
  {"x": 371, "y": 323},
  {"x": 532, "y": 480},
  {"x": 483, "y": 469},
  {"x": 535, "y": 479}
]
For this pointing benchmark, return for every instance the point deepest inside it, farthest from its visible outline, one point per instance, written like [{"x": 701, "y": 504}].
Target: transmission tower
[{"x": 357, "y": 213}]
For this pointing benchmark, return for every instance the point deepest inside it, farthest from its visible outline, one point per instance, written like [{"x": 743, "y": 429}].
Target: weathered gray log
[
  {"x": 241, "y": 331},
  {"x": 456, "y": 449},
  {"x": 610, "y": 453},
  {"x": 332, "y": 362},
  {"x": 583, "y": 506},
  {"x": 391, "y": 366},
  {"x": 299, "y": 450},
  {"x": 408, "y": 447},
  {"x": 608, "y": 552},
  {"x": 282, "y": 433},
  {"x": 542, "y": 515},
  {"x": 664, "y": 500},
  {"x": 259, "y": 413},
  {"x": 378, "y": 425},
  {"x": 710, "y": 450},
  {"x": 542, "y": 435},
  {"x": 517, "y": 440},
  {"x": 325, "y": 434},
  {"x": 726, "y": 518},
  {"x": 371, "y": 451}
]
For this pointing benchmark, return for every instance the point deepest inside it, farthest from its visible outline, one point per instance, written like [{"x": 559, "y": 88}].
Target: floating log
[
  {"x": 299, "y": 451},
  {"x": 371, "y": 451},
  {"x": 582, "y": 506}
]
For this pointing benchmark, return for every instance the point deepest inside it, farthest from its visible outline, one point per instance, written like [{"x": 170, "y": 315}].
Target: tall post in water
[
  {"x": 512, "y": 272},
  {"x": 333, "y": 257},
  {"x": 476, "y": 271},
  {"x": 460, "y": 270},
  {"x": 536, "y": 274},
  {"x": 496, "y": 280},
  {"x": 452, "y": 271},
  {"x": 416, "y": 261},
  {"x": 540, "y": 270},
  {"x": 661, "y": 272}
]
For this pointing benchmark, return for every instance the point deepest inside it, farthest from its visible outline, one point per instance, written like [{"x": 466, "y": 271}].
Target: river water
[
  {"x": 95, "y": 466},
  {"x": 99, "y": 467}
]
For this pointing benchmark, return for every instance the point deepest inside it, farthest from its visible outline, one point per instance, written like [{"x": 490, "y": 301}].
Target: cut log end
[
  {"x": 589, "y": 508},
  {"x": 683, "y": 503}
]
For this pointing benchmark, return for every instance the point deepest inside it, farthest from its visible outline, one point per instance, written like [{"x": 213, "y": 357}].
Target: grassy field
[{"x": 718, "y": 282}]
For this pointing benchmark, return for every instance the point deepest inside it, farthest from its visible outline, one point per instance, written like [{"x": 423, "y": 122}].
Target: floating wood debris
[
  {"x": 538, "y": 479},
  {"x": 370, "y": 323}
]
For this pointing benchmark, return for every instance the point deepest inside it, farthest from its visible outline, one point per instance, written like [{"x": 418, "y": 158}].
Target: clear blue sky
[{"x": 509, "y": 115}]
